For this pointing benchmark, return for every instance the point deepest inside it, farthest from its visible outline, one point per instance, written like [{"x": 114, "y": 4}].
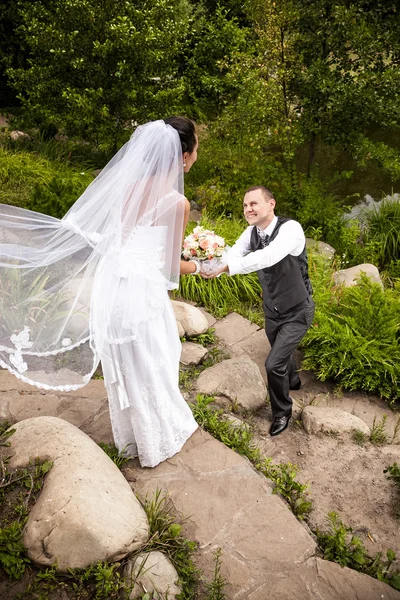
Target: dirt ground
[{"x": 343, "y": 476}]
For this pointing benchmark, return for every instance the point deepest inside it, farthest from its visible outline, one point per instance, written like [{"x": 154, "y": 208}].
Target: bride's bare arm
[{"x": 187, "y": 267}]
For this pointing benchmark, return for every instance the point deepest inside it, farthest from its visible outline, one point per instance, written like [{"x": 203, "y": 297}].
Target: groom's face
[{"x": 258, "y": 209}]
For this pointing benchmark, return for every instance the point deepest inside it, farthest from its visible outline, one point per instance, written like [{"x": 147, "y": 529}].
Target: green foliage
[
  {"x": 216, "y": 589},
  {"x": 354, "y": 339},
  {"x": 394, "y": 473},
  {"x": 99, "y": 66},
  {"x": 359, "y": 437},
  {"x": 339, "y": 544},
  {"x": 378, "y": 435},
  {"x": 166, "y": 536},
  {"x": 13, "y": 560},
  {"x": 240, "y": 440},
  {"x": 205, "y": 339},
  {"x": 18, "y": 491},
  {"x": 33, "y": 182},
  {"x": 118, "y": 458},
  {"x": 55, "y": 198},
  {"x": 383, "y": 228}
]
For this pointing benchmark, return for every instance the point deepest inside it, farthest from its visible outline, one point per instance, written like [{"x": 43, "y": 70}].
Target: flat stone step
[{"x": 267, "y": 554}]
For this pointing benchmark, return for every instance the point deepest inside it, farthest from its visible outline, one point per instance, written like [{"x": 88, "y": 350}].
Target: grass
[
  {"x": 393, "y": 473},
  {"x": 339, "y": 544},
  {"x": 19, "y": 490},
  {"x": 240, "y": 439},
  {"x": 118, "y": 458},
  {"x": 22, "y": 171},
  {"x": 378, "y": 435},
  {"x": 359, "y": 437},
  {"x": 383, "y": 228}
]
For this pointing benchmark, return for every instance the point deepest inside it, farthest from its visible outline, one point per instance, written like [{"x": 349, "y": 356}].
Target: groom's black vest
[{"x": 286, "y": 283}]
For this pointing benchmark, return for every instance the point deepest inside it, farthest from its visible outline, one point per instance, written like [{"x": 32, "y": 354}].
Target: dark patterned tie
[{"x": 264, "y": 237}]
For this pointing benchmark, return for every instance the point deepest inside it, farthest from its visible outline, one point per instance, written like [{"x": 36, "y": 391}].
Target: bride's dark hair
[{"x": 186, "y": 130}]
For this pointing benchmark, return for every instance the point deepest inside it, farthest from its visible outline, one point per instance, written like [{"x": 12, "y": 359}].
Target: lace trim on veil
[{"x": 60, "y": 388}]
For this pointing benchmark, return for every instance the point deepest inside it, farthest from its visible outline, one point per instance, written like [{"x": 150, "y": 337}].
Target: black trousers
[{"x": 284, "y": 332}]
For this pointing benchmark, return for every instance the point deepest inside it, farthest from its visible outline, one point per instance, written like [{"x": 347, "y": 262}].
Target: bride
[{"x": 93, "y": 287}]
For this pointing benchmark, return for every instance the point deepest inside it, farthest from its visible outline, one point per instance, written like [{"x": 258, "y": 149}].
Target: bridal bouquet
[{"x": 204, "y": 245}]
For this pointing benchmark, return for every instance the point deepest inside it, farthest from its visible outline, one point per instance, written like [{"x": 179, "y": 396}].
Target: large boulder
[
  {"x": 348, "y": 277},
  {"x": 318, "y": 419},
  {"x": 322, "y": 248},
  {"x": 19, "y": 135},
  {"x": 238, "y": 379},
  {"x": 191, "y": 318},
  {"x": 154, "y": 573},
  {"x": 192, "y": 354},
  {"x": 86, "y": 512}
]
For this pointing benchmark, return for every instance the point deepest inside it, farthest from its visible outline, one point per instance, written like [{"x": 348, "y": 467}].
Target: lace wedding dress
[
  {"x": 150, "y": 418},
  {"x": 94, "y": 286}
]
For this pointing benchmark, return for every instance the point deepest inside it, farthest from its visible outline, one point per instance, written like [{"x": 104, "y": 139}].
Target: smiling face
[
  {"x": 190, "y": 157},
  {"x": 258, "y": 209}
]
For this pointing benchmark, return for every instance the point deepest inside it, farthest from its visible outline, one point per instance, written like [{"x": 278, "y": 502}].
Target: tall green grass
[
  {"x": 383, "y": 228},
  {"x": 26, "y": 177}
]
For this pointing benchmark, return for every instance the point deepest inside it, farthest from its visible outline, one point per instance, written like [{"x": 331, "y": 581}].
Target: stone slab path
[{"x": 267, "y": 553}]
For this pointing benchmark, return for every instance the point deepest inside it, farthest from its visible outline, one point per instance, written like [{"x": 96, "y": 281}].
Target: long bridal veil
[{"x": 59, "y": 279}]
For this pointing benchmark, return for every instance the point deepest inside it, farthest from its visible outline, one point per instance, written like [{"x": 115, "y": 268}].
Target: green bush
[
  {"x": 383, "y": 228},
  {"x": 47, "y": 186},
  {"x": 56, "y": 197},
  {"x": 354, "y": 339}
]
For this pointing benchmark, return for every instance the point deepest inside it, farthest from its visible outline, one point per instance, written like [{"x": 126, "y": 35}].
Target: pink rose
[{"x": 204, "y": 244}]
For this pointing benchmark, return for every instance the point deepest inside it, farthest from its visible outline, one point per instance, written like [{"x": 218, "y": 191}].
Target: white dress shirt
[{"x": 290, "y": 240}]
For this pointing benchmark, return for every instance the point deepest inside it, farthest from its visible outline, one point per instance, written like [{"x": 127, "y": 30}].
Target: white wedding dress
[
  {"x": 150, "y": 418},
  {"x": 94, "y": 286}
]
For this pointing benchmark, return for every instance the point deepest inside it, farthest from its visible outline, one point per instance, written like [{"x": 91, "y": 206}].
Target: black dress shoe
[
  {"x": 295, "y": 386},
  {"x": 279, "y": 424}
]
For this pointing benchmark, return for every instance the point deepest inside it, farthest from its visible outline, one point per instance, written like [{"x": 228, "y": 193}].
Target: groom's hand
[{"x": 224, "y": 269}]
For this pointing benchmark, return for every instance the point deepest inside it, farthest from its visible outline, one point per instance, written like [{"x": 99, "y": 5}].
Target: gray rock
[
  {"x": 194, "y": 205},
  {"x": 257, "y": 347},
  {"x": 181, "y": 331},
  {"x": 195, "y": 215},
  {"x": 348, "y": 277},
  {"x": 318, "y": 419},
  {"x": 86, "y": 511},
  {"x": 239, "y": 379},
  {"x": 234, "y": 328},
  {"x": 19, "y": 135},
  {"x": 321, "y": 247},
  {"x": 232, "y": 507},
  {"x": 154, "y": 573},
  {"x": 192, "y": 354},
  {"x": 210, "y": 318},
  {"x": 191, "y": 318}
]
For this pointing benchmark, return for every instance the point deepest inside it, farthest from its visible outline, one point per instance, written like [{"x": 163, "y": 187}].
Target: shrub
[
  {"x": 383, "y": 227},
  {"x": 354, "y": 339},
  {"x": 56, "y": 197},
  {"x": 36, "y": 183}
]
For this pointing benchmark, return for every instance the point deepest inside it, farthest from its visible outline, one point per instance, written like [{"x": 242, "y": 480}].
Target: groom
[{"x": 275, "y": 248}]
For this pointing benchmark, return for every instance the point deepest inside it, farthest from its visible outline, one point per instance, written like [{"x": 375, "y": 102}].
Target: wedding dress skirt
[{"x": 150, "y": 418}]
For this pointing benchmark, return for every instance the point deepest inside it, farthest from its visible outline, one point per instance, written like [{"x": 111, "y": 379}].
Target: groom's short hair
[{"x": 266, "y": 192}]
